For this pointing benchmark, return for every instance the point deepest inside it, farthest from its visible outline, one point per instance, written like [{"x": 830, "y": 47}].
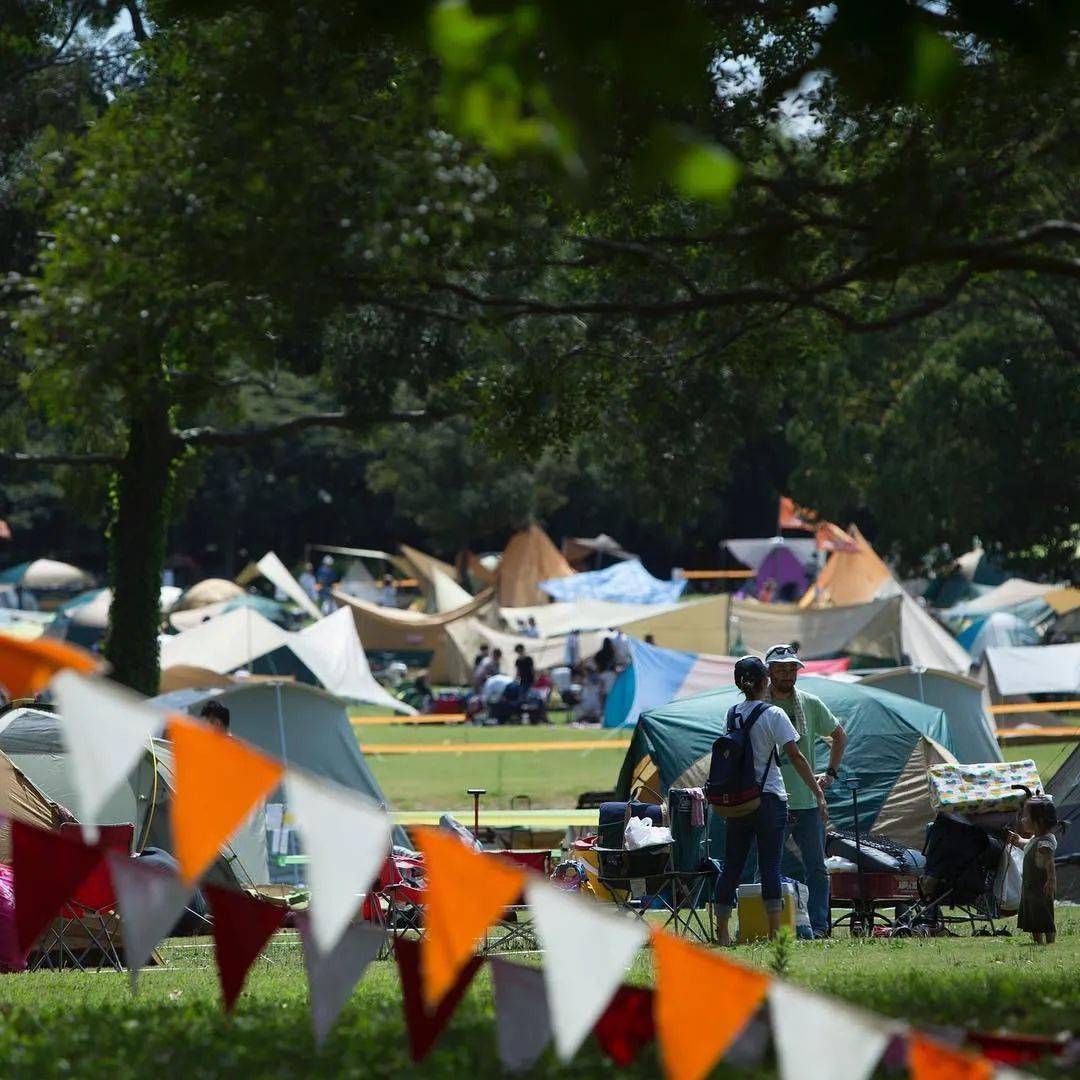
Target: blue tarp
[
  {"x": 624, "y": 583},
  {"x": 654, "y": 677}
]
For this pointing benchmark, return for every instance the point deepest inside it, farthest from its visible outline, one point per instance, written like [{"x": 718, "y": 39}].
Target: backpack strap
[{"x": 748, "y": 723}]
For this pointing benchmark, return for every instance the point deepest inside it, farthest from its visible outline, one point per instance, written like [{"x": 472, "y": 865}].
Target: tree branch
[
  {"x": 341, "y": 419},
  {"x": 19, "y": 458}
]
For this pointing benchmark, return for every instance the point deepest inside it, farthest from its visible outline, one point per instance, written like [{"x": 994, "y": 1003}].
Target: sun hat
[{"x": 783, "y": 654}]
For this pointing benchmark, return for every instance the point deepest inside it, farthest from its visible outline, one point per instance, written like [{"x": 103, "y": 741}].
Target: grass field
[{"x": 71, "y": 1024}]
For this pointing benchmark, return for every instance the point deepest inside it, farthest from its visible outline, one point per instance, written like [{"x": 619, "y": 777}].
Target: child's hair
[{"x": 1043, "y": 814}]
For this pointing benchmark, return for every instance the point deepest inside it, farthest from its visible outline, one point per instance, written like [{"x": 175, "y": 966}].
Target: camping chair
[
  {"x": 395, "y": 903},
  {"x": 84, "y": 933},
  {"x": 514, "y": 931}
]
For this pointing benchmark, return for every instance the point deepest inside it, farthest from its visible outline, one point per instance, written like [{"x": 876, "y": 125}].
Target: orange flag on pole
[
  {"x": 28, "y": 666},
  {"x": 929, "y": 1060},
  {"x": 218, "y": 781},
  {"x": 692, "y": 1030},
  {"x": 465, "y": 893}
]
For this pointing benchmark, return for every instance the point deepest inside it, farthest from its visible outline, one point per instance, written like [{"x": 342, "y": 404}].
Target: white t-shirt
[{"x": 771, "y": 731}]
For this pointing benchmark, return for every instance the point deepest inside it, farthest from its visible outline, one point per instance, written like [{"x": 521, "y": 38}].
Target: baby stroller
[{"x": 962, "y": 858}]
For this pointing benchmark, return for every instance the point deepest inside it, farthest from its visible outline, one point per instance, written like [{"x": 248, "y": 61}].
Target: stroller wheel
[{"x": 902, "y": 932}]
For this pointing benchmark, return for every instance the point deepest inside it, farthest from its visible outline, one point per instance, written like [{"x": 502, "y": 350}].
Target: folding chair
[
  {"x": 514, "y": 931},
  {"x": 87, "y": 926},
  {"x": 396, "y": 902}
]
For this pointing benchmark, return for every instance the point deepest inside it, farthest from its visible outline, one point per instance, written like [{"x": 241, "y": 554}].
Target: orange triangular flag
[
  {"x": 464, "y": 895},
  {"x": 693, "y": 1033},
  {"x": 27, "y": 666},
  {"x": 218, "y": 780},
  {"x": 928, "y": 1060}
]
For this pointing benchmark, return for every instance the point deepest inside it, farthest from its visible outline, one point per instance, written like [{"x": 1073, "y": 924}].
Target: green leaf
[{"x": 934, "y": 64}]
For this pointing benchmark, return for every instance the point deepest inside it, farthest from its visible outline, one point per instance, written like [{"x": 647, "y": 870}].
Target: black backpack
[{"x": 733, "y": 788}]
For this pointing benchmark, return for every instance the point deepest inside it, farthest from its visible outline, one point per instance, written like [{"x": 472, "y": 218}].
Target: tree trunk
[{"x": 141, "y": 497}]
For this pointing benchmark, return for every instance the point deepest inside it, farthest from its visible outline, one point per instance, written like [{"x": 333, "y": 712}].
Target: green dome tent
[{"x": 892, "y": 742}]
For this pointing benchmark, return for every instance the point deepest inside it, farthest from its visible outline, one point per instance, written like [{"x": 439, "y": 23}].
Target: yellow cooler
[{"x": 753, "y": 922}]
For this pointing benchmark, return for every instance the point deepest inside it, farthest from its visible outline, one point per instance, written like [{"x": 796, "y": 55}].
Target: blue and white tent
[{"x": 624, "y": 583}]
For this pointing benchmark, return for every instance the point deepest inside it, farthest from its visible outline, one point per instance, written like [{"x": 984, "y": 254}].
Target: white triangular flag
[
  {"x": 346, "y": 839},
  {"x": 107, "y": 730},
  {"x": 151, "y": 902},
  {"x": 332, "y": 976},
  {"x": 588, "y": 952},
  {"x": 818, "y": 1038},
  {"x": 522, "y": 1021}
]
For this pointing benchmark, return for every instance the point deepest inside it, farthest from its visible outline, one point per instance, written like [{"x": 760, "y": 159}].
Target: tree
[{"x": 460, "y": 494}]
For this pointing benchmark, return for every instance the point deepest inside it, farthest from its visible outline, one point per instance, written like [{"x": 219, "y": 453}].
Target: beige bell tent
[
  {"x": 208, "y": 591},
  {"x": 530, "y": 557},
  {"x": 849, "y": 577}
]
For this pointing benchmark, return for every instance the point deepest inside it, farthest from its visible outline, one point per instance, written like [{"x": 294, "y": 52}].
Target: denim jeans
[
  {"x": 807, "y": 831},
  {"x": 766, "y": 826}
]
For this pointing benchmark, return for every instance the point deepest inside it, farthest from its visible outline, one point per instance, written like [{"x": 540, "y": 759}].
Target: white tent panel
[
  {"x": 226, "y": 643},
  {"x": 753, "y": 553},
  {"x": 274, "y": 570},
  {"x": 1035, "y": 669}
]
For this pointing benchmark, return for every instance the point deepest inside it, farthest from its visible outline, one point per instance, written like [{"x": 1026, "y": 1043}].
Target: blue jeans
[
  {"x": 766, "y": 826},
  {"x": 808, "y": 832}
]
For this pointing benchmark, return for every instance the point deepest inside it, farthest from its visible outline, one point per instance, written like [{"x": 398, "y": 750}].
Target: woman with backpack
[{"x": 755, "y": 802}]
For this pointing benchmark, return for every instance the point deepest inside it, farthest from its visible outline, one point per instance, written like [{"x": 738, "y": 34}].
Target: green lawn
[
  {"x": 72, "y": 1024},
  {"x": 1048, "y": 757}
]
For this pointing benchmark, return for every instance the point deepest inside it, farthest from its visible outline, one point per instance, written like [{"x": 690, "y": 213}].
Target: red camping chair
[
  {"x": 396, "y": 901},
  {"x": 85, "y": 929}
]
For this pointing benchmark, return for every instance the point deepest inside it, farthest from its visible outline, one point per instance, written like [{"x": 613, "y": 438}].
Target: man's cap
[
  {"x": 750, "y": 669},
  {"x": 783, "y": 654}
]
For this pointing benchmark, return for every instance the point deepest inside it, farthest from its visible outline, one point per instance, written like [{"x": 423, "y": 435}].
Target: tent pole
[{"x": 284, "y": 756}]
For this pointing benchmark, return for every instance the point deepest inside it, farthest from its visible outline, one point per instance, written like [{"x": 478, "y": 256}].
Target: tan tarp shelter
[
  {"x": 468, "y": 635},
  {"x": 696, "y": 626},
  {"x": 208, "y": 591},
  {"x": 383, "y": 629},
  {"x": 849, "y": 577},
  {"x": 190, "y": 677},
  {"x": 530, "y": 557},
  {"x": 478, "y": 572}
]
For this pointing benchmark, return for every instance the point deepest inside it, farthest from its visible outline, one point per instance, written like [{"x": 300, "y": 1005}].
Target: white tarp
[
  {"x": 225, "y": 643},
  {"x": 331, "y": 650},
  {"x": 274, "y": 570},
  {"x": 95, "y": 613},
  {"x": 446, "y": 592},
  {"x": 753, "y": 553},
  {"x": 555, "y": 619},
  {"x": 1035, "y": 669},
  {"x": 928, "y": 644}
]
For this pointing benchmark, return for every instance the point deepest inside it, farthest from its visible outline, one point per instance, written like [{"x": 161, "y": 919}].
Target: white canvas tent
[
  {"x": 330, "y": 650},
  {"x": 1008, "y": 594}
]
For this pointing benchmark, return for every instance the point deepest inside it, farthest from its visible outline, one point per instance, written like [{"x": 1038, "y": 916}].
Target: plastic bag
[
  {"x": 1009, "y": 879},
  {"x": 642, "y": 833}
]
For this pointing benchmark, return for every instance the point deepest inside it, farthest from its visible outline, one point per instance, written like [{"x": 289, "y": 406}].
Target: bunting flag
[
  {"x": 332, "y": 976},
  {"x": 522, "y": 1022},
  {"x": 151, "y": 903},
  {"x": 242, "y": 926},
  {"x": 347, "y": 840},
  {"x": 424, "y": 1025},
  {"x": 627, "y": 1025},
  {"x": 929, "y": 1060},
  {"x": 27, "y": 667},
  {"x": 217, "y": 780},
  {"x": 588, "y": 951},
  {"x": 693, "y": 1033},
  {"x": 817, "y": 1038},
  {"x": 465, "y": 893},
  {"x": 48, "y": 870},
  {"x": 107, "y": 730}
]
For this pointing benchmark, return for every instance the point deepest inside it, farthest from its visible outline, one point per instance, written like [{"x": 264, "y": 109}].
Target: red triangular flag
[
  {"x": 424, "y": 1027},
  {"x": 626, "y": 1026},
  {"x": 48, "y": 868},
  {"x": 242, "y": 926}
]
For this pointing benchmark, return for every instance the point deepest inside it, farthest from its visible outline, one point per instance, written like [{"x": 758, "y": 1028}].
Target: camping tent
[
  {"x": 47, "y": 575},
  {"x": 299, "y": 725},
  {"x": 692, "y": 626},
  {"x": 784, "y": 572},
  {"x": 964, "y": 701},
  {"x": 892, "y": 740},
  {"x": 993, "y": 630},
  {"x": 327, "y": 652},
  {"x": 85, "y": 618},
  {"x": 753, "y": 553},
  {"x": 34, "y": 741},
  {"x": 530, "y": 557},
  {"x": 656, "y": 676},
  {"x": 849, "y": 576},
  {"x": 1007, "y": 595},
  {"x": 189, "y": 677},
  {"x": 267, "y": 608},
  {"x": 1033, "y": 669},
  {"x": 21, "y": 800},
  {"x": 208, "y": 591},
  {"x": 626, "y": 582},
  {"x": 579, "y": 550},
  {"x": 1064, "y": 787}
]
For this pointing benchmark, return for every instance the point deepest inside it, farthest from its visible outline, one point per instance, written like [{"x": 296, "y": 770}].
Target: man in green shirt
[{"x": 812, "y": 720}]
